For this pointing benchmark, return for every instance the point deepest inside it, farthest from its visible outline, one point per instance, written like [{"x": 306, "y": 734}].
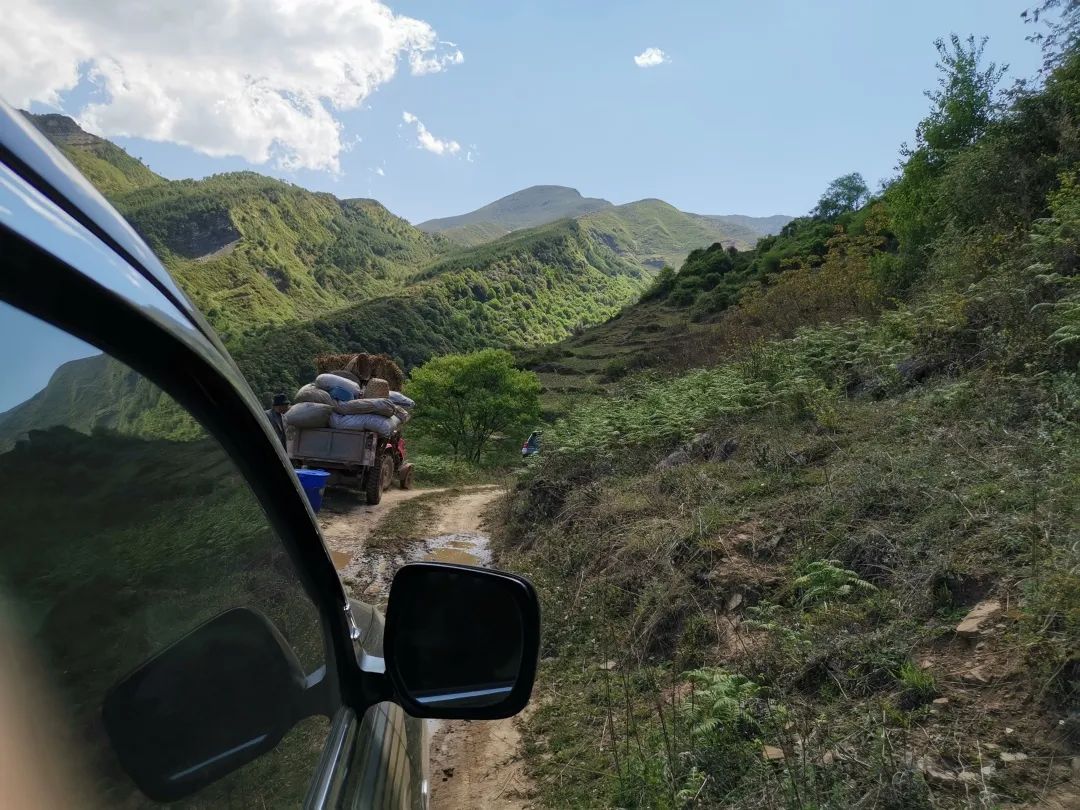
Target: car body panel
[{"x": 62, "y": 266}]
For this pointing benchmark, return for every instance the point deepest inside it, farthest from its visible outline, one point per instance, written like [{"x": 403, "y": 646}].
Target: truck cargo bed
[{"x": 333, "y": 449}]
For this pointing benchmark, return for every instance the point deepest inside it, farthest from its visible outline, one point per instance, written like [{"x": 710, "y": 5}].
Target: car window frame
[{"x": 157, "y": 343}]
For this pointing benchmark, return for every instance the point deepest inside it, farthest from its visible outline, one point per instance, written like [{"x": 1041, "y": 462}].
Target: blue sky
[{"x": 758, "y": 107}]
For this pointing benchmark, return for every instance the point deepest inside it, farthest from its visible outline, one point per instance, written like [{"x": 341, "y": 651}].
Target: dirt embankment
[{"x": 478, "y": 764}]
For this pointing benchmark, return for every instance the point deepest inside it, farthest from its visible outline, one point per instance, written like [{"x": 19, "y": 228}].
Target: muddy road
[{"x": 475, "y": 765}]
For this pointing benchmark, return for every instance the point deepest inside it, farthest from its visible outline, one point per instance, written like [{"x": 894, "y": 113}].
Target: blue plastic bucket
[{"x": 313, "y": 482}]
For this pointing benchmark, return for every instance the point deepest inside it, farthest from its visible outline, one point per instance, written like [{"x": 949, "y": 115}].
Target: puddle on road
[
  {"x": 464, "y": 549},
  {"x": 369, "y": 573}
]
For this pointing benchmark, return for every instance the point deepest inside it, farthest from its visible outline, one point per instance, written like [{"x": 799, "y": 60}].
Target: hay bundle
[
  {"x": 325, "y": 363},
  {"x": 364, "y": 366}
]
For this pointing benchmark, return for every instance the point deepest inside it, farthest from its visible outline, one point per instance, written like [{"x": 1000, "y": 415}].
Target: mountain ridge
[{"x": 542, "y": 204}]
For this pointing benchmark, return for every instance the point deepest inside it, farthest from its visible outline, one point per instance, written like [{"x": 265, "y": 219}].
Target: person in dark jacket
[{"x": 274, "y": 414}]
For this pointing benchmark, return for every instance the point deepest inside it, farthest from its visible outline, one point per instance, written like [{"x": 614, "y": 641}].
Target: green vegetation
[
  {"x": 468, "y": 402},
  {"x": 753, "y": 554},
  {"x": 527, "y": 289},
  {"x": 253, "y": 251},
  {"x": 843, "y": 196}
]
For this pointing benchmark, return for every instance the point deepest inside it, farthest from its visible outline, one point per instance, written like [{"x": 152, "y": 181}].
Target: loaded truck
[
  {"x": 355, "y": 457},
  {"x": 359, "y": 459}
]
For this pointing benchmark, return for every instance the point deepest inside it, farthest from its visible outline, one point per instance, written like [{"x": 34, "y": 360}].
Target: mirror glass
[
  {"x": 214, "y": 700},
  {"x": 457, "y": 635}
]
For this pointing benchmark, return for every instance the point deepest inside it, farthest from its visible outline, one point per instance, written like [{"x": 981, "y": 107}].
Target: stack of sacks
[
  {"x": 336, "y": 401},
  {"x": 385, "y": 426},
  {"x": 375, "y": 411}
]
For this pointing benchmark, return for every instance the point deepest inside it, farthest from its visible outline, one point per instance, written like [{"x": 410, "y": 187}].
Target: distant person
[{"x": 274, "y": 414}]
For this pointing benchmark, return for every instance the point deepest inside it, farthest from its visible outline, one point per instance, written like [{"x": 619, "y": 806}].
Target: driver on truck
[{"x": 274, "y": 414}]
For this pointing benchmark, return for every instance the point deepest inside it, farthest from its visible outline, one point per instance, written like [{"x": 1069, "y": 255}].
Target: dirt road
[{"x": 474, "y": 765}]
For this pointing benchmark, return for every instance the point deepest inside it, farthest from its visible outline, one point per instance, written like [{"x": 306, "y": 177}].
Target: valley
[
  {"x": 285, "y": 274},
  {"x": 804, "y": 517}
]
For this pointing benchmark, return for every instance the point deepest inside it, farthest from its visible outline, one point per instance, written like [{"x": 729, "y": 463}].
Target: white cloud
[
  {"x": 651, "y": 57},
  {"x": 425, "y": 140},
  {"x": 262, "y": 79},
  {"x": 422, "y": 64},
  {"x": 379, "y": 171}
]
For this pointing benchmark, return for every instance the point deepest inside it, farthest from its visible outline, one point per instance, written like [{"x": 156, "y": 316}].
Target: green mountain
[
  {"x": 656, "y": 234},
  {"x": 660, "y": 233},
  {"x": 249, "y": 249},
  {"x": 536, "y": 205},
  {"x": 252, "y": 250},
  {"x": 759, "y": 226}
]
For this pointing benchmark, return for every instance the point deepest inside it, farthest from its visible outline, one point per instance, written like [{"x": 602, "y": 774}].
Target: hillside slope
[
  {"x": 829, "y": 556},
  {"x": 111, "y": 169},
  {"x": 528, "y": 289},
  {"x": 249, "y": 249}
]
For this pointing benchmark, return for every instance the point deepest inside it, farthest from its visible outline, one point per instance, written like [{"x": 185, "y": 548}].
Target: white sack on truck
[
  {"x": 399, "y": 398},
  {"x": 382, "y": 425},
  {"x": 380, "y": 407},
  {"x": 309, "y": 415},
  {"x": 311, "y": 393},
  {"x": 337, "y": 386}
]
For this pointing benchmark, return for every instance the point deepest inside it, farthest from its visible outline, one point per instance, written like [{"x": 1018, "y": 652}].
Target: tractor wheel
[
  {"x": 386, "y": 472},
  {"x": 377, "y": 477}
]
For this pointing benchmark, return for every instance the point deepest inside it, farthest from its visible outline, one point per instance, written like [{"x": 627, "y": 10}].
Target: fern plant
[
  {"x": 770, "y": 618},
  {"x": 825, "y": 581},
  {"x": 722, "y": 701}
]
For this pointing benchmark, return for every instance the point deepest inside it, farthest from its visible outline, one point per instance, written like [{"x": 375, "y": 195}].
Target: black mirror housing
[
  {"x": 211, "y": 702},
  {"x": 461, "y": 642}
]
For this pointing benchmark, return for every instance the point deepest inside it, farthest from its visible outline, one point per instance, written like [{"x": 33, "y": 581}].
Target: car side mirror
[
  {"x": 461, "y": 642},
  {"x": 221, "y": 696}
]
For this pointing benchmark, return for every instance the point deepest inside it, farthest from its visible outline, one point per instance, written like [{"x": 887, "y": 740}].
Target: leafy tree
[
  {"x": 465, "y": 401},
  {"x": 963, "y": 108},
  {"x": 966, "y": 102},
  {"x": 844, "y": 194}
]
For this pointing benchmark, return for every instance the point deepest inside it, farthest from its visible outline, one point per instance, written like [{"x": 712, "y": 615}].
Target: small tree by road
[{"x": 464, "y": 401}]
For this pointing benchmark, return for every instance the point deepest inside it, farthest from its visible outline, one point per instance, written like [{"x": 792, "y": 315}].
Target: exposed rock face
[
  {"x": 64, "y": 130},
  {"x": 203, "y": 234},
  {"x": 978, "y": 619}
]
